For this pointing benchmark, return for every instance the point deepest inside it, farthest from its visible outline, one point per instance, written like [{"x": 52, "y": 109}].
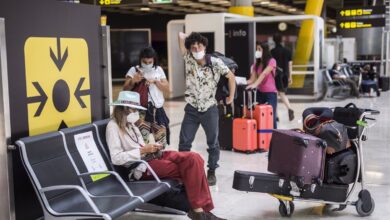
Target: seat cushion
[
  {"x": 74, "y": 202},
  {"x": 147, "y": 189}
]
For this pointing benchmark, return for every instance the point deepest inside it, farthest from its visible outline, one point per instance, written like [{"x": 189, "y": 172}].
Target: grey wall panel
[{"x": 367, "y": 40}]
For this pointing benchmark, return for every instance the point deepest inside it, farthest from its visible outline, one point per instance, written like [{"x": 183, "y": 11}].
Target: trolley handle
[{"x": 372, "y": 112}]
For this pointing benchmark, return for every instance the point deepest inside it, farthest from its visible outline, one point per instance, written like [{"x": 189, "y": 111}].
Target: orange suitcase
[
  {"x": 245, "y": 133},
  {"x": 263, "y": 114}
]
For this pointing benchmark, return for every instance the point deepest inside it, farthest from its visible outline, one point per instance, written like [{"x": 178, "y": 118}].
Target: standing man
[
  {"x": 283, "y": 77},
  {"x": 201, "y": 86}
]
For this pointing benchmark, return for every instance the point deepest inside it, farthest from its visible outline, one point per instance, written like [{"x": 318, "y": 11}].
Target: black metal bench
[{"x": 67, "y": 190}]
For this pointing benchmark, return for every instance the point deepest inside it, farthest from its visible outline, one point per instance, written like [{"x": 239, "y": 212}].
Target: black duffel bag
[
  {"x": 341, "y": 167},
  {"x": 349, "y": 116}
]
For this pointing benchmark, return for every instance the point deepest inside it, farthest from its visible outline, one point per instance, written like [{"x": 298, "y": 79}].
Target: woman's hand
[
  {"x": 151, "y": 148},
  {"x": 251, "y": 86},
  {"x": 137, "y": 78}
]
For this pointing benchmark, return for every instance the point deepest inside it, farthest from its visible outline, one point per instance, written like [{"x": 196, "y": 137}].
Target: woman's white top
[
  {"x": 122, "y": 145},
  {"x": 156, "y": 96}
]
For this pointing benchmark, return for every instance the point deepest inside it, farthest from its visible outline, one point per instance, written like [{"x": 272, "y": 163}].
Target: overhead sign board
[
  {"x": 121, "y": 2},
  {"x": 361, "y": 23},
  {"x": 362, "y": 11}
]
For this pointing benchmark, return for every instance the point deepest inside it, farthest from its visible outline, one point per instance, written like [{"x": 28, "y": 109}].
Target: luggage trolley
[{"x": 330, "y": 194}]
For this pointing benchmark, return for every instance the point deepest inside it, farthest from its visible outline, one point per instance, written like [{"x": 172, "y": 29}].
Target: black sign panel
[
  {"x": 362, "y": 11},
  {"x": 239, "y": 45},
  {"x": 54, "y": 76},
  {"x": 361, "y": 23}
]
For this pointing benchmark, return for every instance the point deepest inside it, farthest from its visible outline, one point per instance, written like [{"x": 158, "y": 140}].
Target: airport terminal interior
[{"x": 203, "y": 109}]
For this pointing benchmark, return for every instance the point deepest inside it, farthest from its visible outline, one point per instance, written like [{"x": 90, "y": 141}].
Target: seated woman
[
  {"x": 368, "y": 80},
  {"x": 337, "y": 75},
  {"x": 126, "y": 145}
]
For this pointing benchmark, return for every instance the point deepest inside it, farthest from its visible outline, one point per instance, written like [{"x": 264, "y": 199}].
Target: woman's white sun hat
[{"x": 129, "y": 99}]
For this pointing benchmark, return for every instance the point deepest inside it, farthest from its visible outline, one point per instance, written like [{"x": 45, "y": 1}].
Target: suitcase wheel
[
  {"x": 365, "y": 204},
  {"x": 286, "y": 208}
]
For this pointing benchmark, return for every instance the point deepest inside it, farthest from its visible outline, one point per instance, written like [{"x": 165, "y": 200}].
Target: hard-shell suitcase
[
  {"x": 263, "y": 114},
  {"x": 225, "y": 135},
  {"x": 270, "y": 183},
  {"x": 265, "y": 124},
  {"x": 297, "y": 156},
  {"x": 245, "y": 133},
  {"x": 341, "y": 167}
]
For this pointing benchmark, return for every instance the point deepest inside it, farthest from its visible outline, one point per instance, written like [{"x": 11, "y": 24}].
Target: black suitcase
[
  {"x": 269, "y": 183},
  {"x": 239, "y": 102},
  {"x": 384, "y": 83},
  {"x": 341, "y": 167},
  {"x": 225, "y": 135}
]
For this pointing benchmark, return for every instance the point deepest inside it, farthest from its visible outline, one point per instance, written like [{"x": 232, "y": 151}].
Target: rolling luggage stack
[{"x": 303, "y": 173}]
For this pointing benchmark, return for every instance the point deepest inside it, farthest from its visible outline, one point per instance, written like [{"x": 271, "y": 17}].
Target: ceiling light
[
  {"x": 145, "y": 9},
  {"x": 273, "y": 4},
  {"x": 292, "y": 9},
  {"x": 264, "y": 3}
]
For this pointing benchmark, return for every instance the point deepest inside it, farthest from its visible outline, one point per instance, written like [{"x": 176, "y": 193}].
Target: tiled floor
[{"x": 233, "y": 204}]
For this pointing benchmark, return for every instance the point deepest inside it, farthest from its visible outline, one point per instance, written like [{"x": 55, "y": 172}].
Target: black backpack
[{"x": 223, "y": 83}]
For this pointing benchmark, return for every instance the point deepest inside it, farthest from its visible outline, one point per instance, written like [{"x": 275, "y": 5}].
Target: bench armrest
[
  {"x": 114, "y": 174},
  {"x": 78, "y": 188},
  {"x": 339, "y": 82},
  {"x": 149, "y": 168}
]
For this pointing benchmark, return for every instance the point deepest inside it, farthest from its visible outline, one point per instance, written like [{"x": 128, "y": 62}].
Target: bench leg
[{"x": 159, "y": 209}]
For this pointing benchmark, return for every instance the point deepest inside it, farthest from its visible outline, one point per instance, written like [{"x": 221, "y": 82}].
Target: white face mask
[
  {"x": 133, "y": 117},
  {"x": 198, "y": 55},
  {"x": 147, "y": 67},
  {"x": 338, "y": 68},
  {"x": 258, "y": 54}
]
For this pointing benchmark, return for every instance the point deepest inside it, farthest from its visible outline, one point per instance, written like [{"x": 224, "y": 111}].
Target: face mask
[
  {"x": 133, "y": 117},
  {"x": 147, "y": 67},
  {"x": 258, "y": 54},
  {"x": 198, "y": 55},
  {"x": 338, "y": 68}
]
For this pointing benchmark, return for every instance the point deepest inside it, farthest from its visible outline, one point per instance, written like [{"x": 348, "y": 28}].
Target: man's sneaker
[
  {"x": 197, "y": 215},
  {"x": 290, "y": 114},
  {"x": 211, "y": 178},
  {"x": 211, "y": 216}
]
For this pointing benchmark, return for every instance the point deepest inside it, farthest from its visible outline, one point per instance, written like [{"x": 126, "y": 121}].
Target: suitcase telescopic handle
[
  {"x": 255, "y": 101},
  {"x": 250, "y": 103},
  {"x": 244, "y": 104}
]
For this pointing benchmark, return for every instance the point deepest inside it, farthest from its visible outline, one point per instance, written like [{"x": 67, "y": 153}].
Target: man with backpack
[{"x": 203, "y": 73}]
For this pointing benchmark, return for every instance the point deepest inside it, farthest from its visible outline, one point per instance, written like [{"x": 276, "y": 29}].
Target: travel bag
[
  {"x": 349, "y": 116},
  {"x": 273, "y": 184},
  {"x": 297, "y": 156},
  {"x": 245, "y": 132},
  {"x": 263, "y": 114},
  {"x": 341, "y": 167},
  {"x": 225, "y": 134}
]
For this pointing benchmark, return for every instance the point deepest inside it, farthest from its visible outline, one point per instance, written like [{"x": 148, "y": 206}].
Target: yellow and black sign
[
  {"x": 57, "y": 83},
  {"x": 361, "y": 23},
  {"x": 363, "y": 11},
  {"x": 122, "y": 2}
]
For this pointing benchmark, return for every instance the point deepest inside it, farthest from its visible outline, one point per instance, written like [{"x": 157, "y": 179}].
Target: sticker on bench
[{"x": 90, "y": 154}]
